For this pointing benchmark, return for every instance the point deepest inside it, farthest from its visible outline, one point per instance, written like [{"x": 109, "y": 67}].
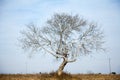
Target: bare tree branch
[{"x": 64, "y": 36}]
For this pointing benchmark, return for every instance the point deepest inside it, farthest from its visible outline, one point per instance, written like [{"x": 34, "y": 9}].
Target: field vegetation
[{"x": 64, "y": 76}]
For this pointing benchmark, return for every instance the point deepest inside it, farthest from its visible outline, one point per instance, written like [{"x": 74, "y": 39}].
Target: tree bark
[{"x": 60, "y": 70}]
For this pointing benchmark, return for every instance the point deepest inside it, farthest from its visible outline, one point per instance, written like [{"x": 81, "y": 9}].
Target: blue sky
[{"x": 15, "y": 14}]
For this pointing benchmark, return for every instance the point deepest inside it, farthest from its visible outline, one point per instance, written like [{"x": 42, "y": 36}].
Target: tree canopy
[{"x": 64, "y": 36}]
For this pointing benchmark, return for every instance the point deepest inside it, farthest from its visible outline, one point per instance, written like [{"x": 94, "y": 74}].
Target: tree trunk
[{"x": 60, "y": 70}]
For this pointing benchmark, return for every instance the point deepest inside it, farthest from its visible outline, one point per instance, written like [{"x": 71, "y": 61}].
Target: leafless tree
[{"x": 64, "y": 36}]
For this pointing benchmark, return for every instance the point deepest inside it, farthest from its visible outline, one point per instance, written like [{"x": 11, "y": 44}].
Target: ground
[{"x": 54, "y": 76}]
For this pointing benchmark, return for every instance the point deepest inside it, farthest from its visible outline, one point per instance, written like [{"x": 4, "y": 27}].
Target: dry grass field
[{"x": 54, "y": 76}]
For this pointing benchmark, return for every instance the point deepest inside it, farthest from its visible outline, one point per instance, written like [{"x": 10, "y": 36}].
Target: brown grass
[{"x": 54, "y": 76}]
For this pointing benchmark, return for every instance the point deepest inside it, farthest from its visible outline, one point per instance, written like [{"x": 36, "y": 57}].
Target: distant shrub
[
  {"x": 90, "y": 72},
  {"x": 99, "y": 73},
  {"x": 113, "y": 72},
  {"x": 39, "y": 72}
]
